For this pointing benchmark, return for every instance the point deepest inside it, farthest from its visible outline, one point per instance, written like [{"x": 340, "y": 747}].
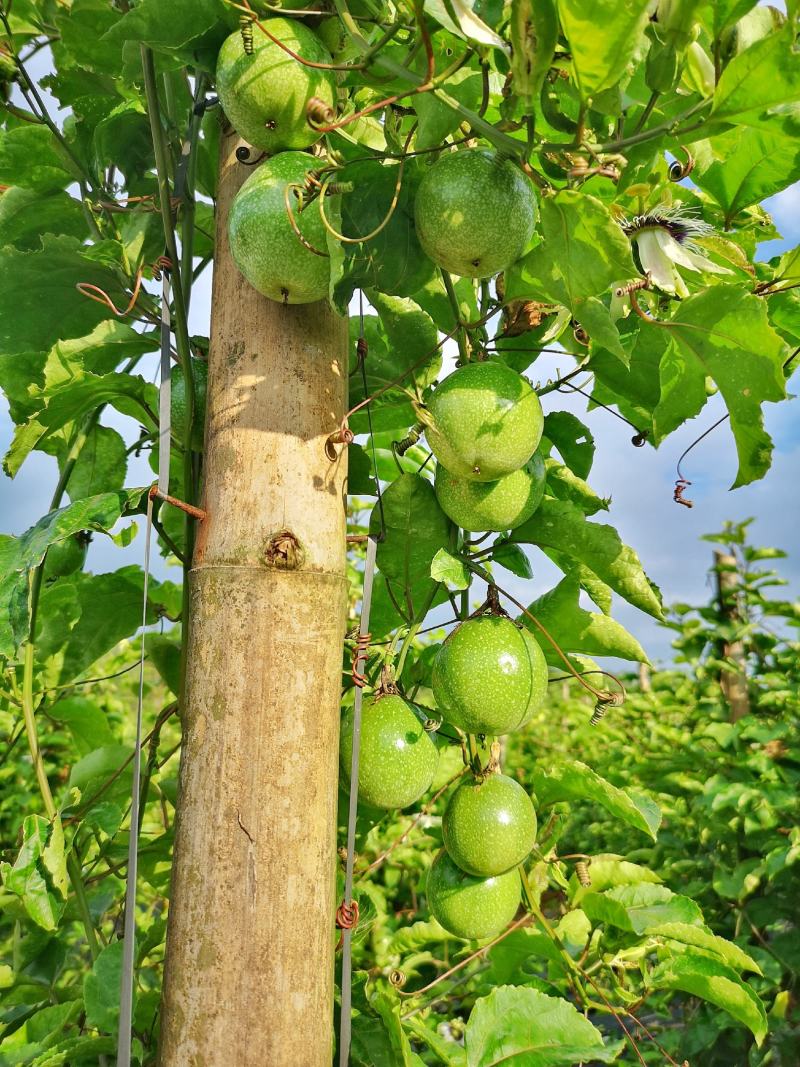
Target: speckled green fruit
[
  {"x": 484, "y": 676},
  {"x": 539, "y": 676},
  {"x": 489, "y": 826},
  {"x": 267, "y": 250},
  {"x": 178, "y": 403},
  {"x": 398, "y": 758},
  {"x": 264, "y": 95},
  {"x": 483, "y": 421},
  {"x": 65, "y": 557},
  {"x": 495, "y": 506},
  {"x": 471, "y": 907},
  {"x": 475, "y": 213}
]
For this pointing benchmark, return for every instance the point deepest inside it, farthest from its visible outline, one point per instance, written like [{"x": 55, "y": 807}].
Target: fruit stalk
[{"x": 249, "y": 973}]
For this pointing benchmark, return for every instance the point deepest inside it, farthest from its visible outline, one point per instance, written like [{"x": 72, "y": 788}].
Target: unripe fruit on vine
[
  {"x": 489, "y": 826},
  {"x": 398, "y": 758},
  {"x": 475, "y": 212},
  {"x": 471, "y": 907},
  {"x": 483, "y": 421},
  {"x": 267, "y": 250},
  {"x": 178, "y": 403},
  {"x": 264, "y": 95},
  {"x": 539, "y": 677},
  {"x": 493, "y": 506},
  {"x": 486, "y": 674},
  {"x": 65, "y": 557}
]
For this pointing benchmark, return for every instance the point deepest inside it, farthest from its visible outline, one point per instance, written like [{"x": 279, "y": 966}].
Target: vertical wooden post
[
  {"x": 733, "y": 683},
  {"x": 645, "y": 685},
  {"x": 249, "y": 971}
]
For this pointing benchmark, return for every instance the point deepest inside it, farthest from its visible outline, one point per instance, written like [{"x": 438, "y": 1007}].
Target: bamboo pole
[
  {"x": 249, "y": 970},
  {"x": 732, "y": 682}
]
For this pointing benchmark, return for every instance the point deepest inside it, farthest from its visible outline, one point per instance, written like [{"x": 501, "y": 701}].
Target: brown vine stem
[
  {"x": 524, "y": 920},
  {"x": 426, "y": 810}
]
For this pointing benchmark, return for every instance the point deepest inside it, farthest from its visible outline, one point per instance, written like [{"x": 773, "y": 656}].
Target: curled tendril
[
  {"x": 397, "y": 978},
  {"x": 293, "y": 187},
  {"x": 678, "y": 171}
]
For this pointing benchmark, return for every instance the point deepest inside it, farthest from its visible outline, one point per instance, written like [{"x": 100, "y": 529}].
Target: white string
[
  {"x": 344, "y": 1023},
  {"x": 125, "y": 1034}
]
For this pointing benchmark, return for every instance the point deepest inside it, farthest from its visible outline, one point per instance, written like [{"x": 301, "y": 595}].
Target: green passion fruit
[
  {"x": 397, "y": 757},
  {"x": 178, "y": 403},
  {"x": 475, "y": 212},
  {"x": 489, "y": 826},
  {"x": 471, "y": 907},
  {"x": 486, "y": 675},
  {"x": 263, "y": 243},
  {"x": 483, "y": 421},
  {"x": 66, "y": 556},
  {"x": 494, "y": 506},
  {"x": 265, "y": 95}
]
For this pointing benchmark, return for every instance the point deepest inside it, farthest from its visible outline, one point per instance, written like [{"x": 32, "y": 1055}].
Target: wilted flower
[{"x": 665, "y": 240}]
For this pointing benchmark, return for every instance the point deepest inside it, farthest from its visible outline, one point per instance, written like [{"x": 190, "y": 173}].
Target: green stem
[
  {"x": 188, "y": 193},
  {"x": 461, "y": 338},
  {"x": 181, "y": 324},
  {"x": 480, "y": 126}
]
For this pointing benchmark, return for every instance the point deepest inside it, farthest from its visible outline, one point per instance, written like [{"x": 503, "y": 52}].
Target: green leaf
[
  {"x": 524, "y": 1027},
  {"x": 713, "y": 981},
  {"x": 577, "y": 630},
  {"x": 26, "y": 214},
  {"x": 562, "y": 526},
  {"x": 448, "y": 1052},
  {"x": 603, "y": 37},
  {"x": 107, "y": 768},
  {"x": 701, "y": 938},
  {"x": 449, "y": 569},
  {"x": 573, "y": 780},
  {"x": 582, "y": 254},
  {"x": 84, "y": 616},
  {"x": 39, "y": 303},
  {"x": 101, "y": 464},
  {"x": 38, "y": 875},
  {"x": 757, "y": 159},
  {"x": 392, "y": 261},
  {"x": 18, "y": 556},
  {"x": 607, "y": 871},
  {"x": 637, "y": 908},
  {"x": 564, "y": 484},
  {"x": 726, "y": 331},
  {"x": 513, "y": 559},
  {"x": 459, "y": 17},
  {"x": 404, "y": 337},
  {"x": 416, "y": 528},
  {"x": 187, "y": 28},
  {"x": 573, "y": 440},
  {"x": 130, "y": 394},
  {"x": 86, "y": 721},
  {"x": 165, "y": 655},
  {"x": 39, "y": 1032},
  {"x": 767, "y": 74},
  {"x": 101, "y": 989},
  {"x": 534, "y": 36},
  {"x": 30, "y": 156}
]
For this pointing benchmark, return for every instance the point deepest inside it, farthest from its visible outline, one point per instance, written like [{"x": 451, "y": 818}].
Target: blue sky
[{"x": 639, "y": 481}]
